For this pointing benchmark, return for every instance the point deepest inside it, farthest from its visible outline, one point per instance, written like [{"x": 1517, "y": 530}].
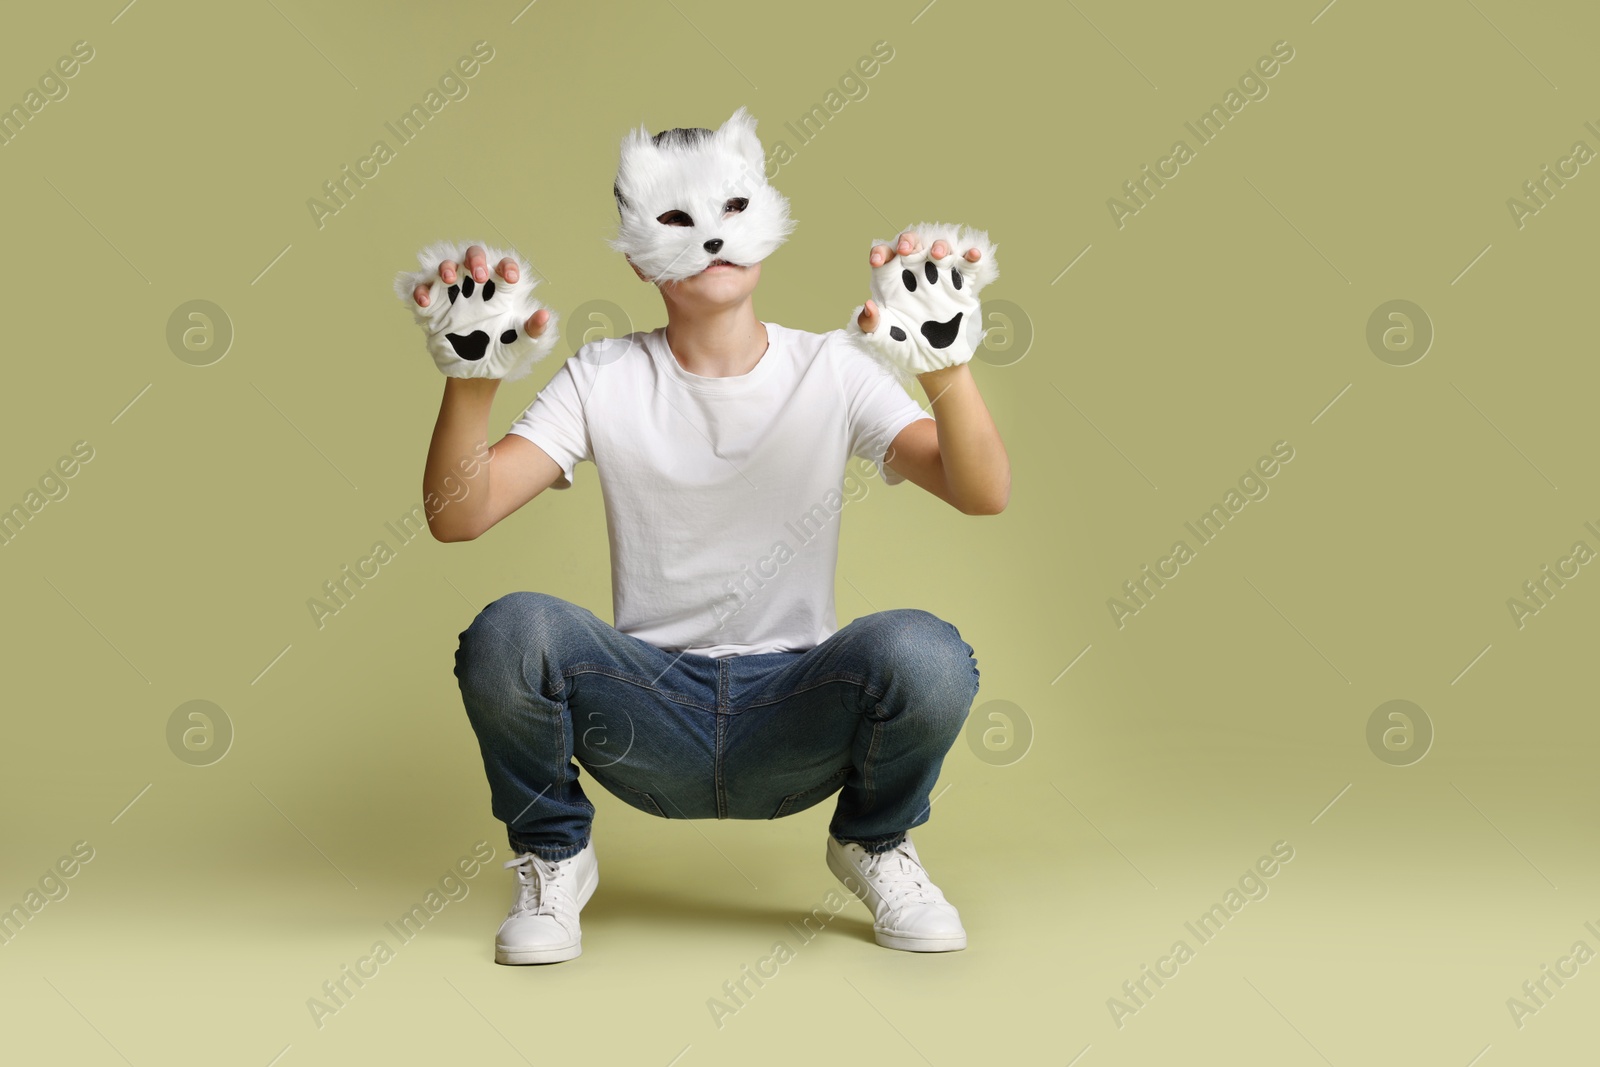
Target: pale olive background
[{"x": 1228, "y": 715}]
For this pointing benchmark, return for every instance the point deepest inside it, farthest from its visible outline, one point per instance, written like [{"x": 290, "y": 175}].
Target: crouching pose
[{"x": 724, "y": 689}]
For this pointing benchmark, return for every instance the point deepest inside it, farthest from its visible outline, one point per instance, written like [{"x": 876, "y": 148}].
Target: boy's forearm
[
  {"x": 977, "y": 470},
  {"x": 460, "y": 440}
]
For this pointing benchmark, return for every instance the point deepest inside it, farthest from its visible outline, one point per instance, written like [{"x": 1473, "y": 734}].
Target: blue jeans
[{"x": 868, "y": 713}]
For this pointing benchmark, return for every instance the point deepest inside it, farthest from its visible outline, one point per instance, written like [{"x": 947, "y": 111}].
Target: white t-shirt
[{"x": 723, "y": 496}]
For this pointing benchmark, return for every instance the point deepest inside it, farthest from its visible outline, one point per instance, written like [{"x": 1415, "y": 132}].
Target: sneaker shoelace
[
  {"x": 899, "y": 879},
  {"x": 542, "y": 889}
]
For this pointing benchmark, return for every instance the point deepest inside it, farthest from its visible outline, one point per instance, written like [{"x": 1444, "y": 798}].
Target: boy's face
[
  {"x": 687, "y": 198},
  {"x": 720, "y": 286}
]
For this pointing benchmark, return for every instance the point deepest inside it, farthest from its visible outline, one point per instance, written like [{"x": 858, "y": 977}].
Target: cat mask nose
[{"x": 714, "y": 245}]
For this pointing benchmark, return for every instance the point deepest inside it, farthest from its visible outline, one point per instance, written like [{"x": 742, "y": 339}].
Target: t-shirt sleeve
[
  {"x": 876, "y": 404},
  {"x": 556, "y": 421}
]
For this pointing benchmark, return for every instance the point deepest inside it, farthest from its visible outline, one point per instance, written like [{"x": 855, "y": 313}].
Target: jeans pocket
[
  {"x": 815, "y": 795},
  {"x": 636, "y": 798}
]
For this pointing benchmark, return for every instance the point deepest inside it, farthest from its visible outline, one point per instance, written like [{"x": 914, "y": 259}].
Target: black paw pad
[
  {"x": 942, "y": 334},
  {"x": 471, "y": 347},
  {"x": 910, "y": 280},
  {"x": 507, "y": 337},
  {"x": 931, "y": 271},
  {"x": 955, "y": 277},
  {"x": 466, "y": 286},
  {"x": 488, "y": 290},
  {"x": 896, "y": 332},
  {"x": 455, "y": 291}
]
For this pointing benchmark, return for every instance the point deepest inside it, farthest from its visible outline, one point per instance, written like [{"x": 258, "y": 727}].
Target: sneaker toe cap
[
  {"x": 926, "y": 920},
  {"x": 535, "y": 931}
]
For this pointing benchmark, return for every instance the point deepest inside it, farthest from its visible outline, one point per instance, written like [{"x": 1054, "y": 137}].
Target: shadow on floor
[{"x": 619, "y": 903}]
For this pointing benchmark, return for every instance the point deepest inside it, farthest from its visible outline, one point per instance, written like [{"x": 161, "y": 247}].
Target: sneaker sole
[
  {"x": 554, "y": 954},
  {"x": 849, "y": 877},
  {"x": 919, "y": 944},
  {"x": 517, "y": 957}
]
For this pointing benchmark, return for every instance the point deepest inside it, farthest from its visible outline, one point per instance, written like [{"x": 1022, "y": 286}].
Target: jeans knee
[
  {"x": 931, "y": 658},
  {"x": 509, "y": 639}
]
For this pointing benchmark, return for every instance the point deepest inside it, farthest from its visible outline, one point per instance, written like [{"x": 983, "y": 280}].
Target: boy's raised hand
[
  {"x": 923, "y": 314},
  {"x": 478, "y": 325}
]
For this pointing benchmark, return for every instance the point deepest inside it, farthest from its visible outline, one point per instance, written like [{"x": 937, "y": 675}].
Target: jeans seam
[
  {"x": 875, "y": 845},
  {"x": 547, "y": 852},
  {"x": 868, "y": 786},
  {"x": 720, "y": 744}
]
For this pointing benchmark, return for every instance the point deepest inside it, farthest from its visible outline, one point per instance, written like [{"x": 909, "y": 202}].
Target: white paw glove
[
  {"x": 928, "y": 309},
  {"x": 477, "y": 330}
]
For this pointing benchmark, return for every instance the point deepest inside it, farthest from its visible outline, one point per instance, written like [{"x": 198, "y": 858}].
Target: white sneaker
[
  {"x": 543, "y": 924},
  {"x": 909, "y": 912}
]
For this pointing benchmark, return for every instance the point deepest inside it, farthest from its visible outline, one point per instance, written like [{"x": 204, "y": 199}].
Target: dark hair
[
  {"x": 680, "y": 135},
  {"x": 685, "y": 136}
]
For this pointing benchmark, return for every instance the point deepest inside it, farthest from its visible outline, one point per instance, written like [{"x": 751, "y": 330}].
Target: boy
[{"x": 724, "y": 689}]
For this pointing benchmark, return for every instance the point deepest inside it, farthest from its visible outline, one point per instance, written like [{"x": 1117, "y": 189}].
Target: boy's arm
[
  {"x": 958, "y": 455},
  {"x": 467, "y": 494},
  {"x": 468, "y": 487},
  {"x": 959, "y": 458}
]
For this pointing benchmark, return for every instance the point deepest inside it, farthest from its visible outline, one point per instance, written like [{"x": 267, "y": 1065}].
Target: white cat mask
[{"x": 690, "y": 197}]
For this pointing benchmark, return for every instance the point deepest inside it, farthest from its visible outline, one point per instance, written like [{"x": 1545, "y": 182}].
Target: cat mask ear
[
  {"x": 690, "y": 197},
  {"x": 738, "y": 135}
]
